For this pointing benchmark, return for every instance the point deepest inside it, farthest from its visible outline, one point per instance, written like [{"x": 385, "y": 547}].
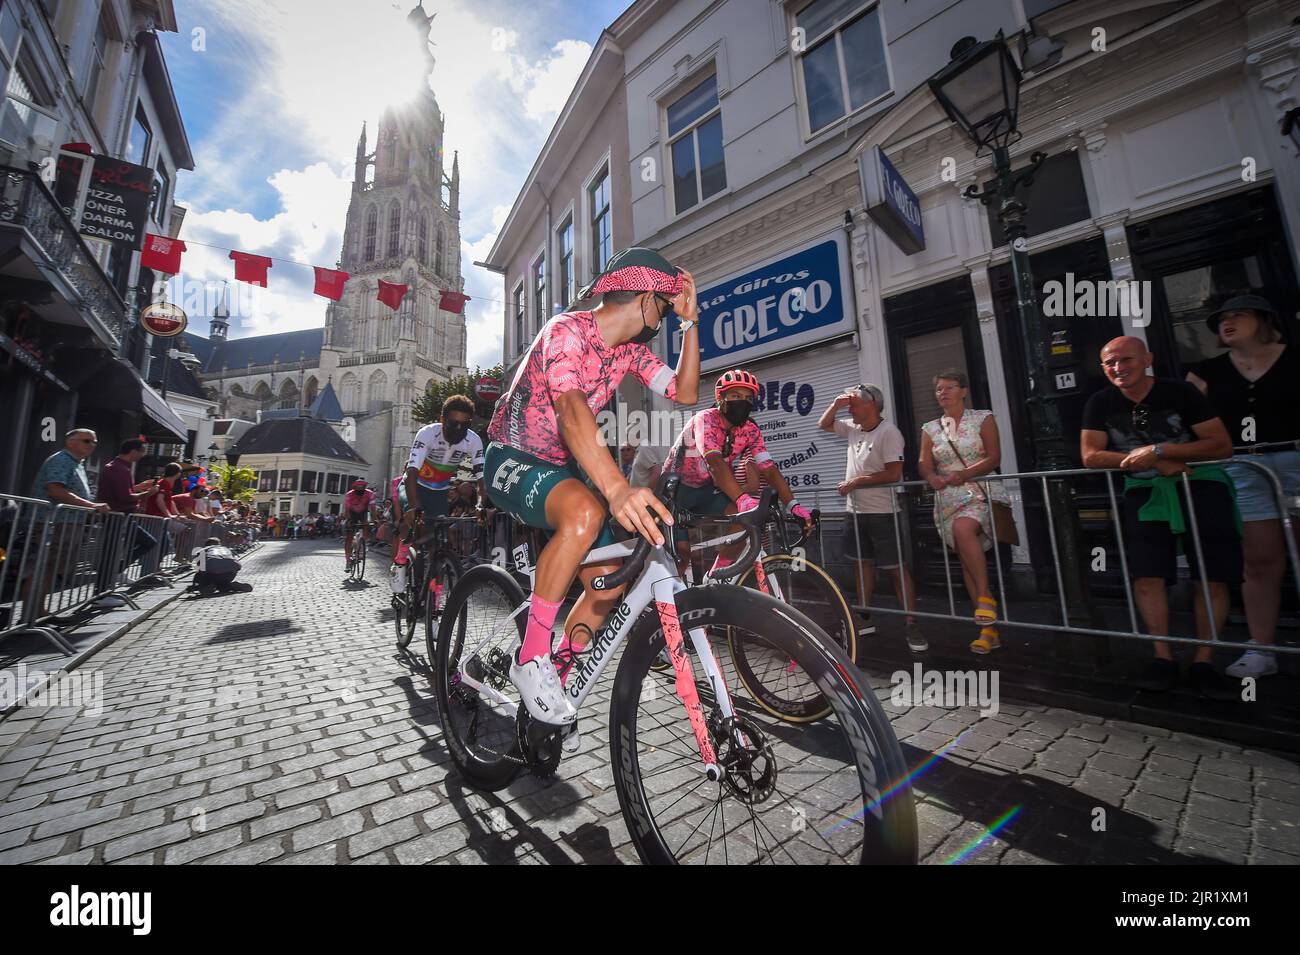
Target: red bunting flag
[
  {"x": 250, "y": 268},
  {"x": 391, "y": 294},
  {"x": 162, "y": 253},
  {"x": 329, "y": 283},
  {"x": 453, "y": 301}
]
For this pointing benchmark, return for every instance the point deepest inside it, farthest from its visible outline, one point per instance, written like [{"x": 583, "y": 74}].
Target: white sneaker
[
  {"x": 1253, "y": 663},
  {"x": 539, "y": 688},
  {"x": 571, "y": 742}
]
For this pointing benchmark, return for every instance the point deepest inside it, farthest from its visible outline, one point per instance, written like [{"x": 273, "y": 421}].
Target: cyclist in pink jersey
[
  {"x": 358, "y": 505},
  {"x": 544, "y": 429},
  {"x": 717, "y": 440}
]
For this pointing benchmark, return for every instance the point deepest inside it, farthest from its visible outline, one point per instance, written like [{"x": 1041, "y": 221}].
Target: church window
[
  {"x": 394, "y": 227},
  {"x": 440, "y": 250},
  {"x": 422, "y": 237},
  {"x": 372, "y": 226}
]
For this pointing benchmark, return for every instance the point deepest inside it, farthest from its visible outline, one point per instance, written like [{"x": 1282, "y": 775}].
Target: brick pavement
[{"x": 281, "y": 727}]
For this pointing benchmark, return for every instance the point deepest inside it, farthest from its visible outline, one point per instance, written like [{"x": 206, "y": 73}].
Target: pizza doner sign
[{"x": 117, "y": 202}]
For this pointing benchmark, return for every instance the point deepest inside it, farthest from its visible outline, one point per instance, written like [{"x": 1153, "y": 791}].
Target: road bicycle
[
  {"x": 701, "y": 776},
  {"x": 431, "y": 571},
  {"x": 357, "y": 566},
  {"x": 788, "y": 575}
]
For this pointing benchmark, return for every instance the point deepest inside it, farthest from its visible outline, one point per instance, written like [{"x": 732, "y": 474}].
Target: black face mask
[
  {"x": 737, "y": 411},
  {"x": 453, "y": 432},
  {"x": 647, "y": 334}
]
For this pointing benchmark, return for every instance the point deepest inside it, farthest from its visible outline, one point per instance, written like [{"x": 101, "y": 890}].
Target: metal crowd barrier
[
  {"x": 1287, "y": 509},
  {"x": 57, "y": 560}
]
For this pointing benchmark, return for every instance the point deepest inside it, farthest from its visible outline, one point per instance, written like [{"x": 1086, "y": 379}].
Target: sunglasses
[
  {"x": 669, "y": 312},
  {"x": 1141, "y": 418},
  {"x": 86, "y": 440}
]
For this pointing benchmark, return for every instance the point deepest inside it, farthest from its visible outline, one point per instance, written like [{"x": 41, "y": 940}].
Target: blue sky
[{"x": 273, "y": 96}]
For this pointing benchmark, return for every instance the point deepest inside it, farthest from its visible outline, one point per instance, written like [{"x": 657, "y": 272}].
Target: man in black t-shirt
[{"x": 1152, "y": 428}]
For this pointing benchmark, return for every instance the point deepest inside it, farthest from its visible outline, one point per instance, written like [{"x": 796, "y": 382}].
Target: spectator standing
[
  {"x": 117, "y": 489},
  {"x": 956, "y": 448},
  {"x": 1151, "y": 428},
  {"x": 871, "y": 537},
  {"x": 61, "y": 479},
  {"x": 1251, "y": 386}
]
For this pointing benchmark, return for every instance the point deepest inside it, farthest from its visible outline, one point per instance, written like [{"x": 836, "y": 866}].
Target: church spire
[
  {"x": 423, "y": 26},
  {"x": 359, "y": 172},
  {"x": 219, "y": 327}
]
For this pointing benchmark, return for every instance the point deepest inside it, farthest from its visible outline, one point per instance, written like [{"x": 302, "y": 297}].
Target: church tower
[{"x": 403, "y": 226}]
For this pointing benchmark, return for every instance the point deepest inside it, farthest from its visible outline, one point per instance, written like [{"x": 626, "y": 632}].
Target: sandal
[
  {"x": 986, "y": 610},
  {"x": 987, "y": 641}
]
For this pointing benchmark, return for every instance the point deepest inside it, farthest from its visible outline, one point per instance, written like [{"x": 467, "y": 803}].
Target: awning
[{"x": 112, "y": 383}]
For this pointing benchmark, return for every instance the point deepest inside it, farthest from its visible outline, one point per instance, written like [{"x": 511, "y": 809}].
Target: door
[{"x": 930, "y": 330}]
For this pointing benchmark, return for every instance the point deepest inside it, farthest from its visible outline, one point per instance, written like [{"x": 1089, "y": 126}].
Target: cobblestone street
[{"x": 280, "y": 726}]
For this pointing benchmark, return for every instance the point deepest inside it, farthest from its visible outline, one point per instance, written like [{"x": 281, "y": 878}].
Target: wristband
[{"x": 686, "y": 326}]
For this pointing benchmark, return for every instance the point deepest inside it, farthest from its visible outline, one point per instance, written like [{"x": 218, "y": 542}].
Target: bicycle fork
[{"x": 685, "y": 684}]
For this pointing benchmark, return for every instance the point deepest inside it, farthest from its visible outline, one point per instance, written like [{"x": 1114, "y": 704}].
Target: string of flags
[{"x": 163, "y": 254}]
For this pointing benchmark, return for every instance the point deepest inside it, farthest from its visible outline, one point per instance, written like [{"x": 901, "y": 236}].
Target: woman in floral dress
[{"x": 957, "y": 448}]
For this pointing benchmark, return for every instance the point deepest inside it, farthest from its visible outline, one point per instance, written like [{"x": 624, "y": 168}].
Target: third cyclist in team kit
[
  {"x": 544, "y": 429},
  {"x": 715, "y": 439}
]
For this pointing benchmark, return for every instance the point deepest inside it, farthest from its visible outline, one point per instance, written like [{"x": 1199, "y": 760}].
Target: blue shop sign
[
  {"x": 890, "y": 201},
  {"x": 791, "y": 301}
]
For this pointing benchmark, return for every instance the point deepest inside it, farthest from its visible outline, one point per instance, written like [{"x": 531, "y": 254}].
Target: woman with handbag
[{"x": 956, "y": 449}]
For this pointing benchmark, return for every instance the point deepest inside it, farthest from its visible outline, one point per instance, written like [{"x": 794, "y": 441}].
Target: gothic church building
[{"x": 403, "y": 226}]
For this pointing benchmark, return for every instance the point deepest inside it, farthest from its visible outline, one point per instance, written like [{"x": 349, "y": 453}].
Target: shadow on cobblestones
[
  {"x": 497, "y": 833},
  {"x": 255, "y": 630},
  {"x": 1051, "y": 822}
]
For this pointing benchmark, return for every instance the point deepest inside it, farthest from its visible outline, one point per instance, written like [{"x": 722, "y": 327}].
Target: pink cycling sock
[{"x": 537, "y": 636}]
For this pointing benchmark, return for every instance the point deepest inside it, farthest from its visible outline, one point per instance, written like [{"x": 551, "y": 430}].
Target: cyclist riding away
[
  {"x": 715, "y": 439},
  {"x": 358, "y": 505},
  {"x": 544, "y": 429},
  {"x": 435, "y": 458}
]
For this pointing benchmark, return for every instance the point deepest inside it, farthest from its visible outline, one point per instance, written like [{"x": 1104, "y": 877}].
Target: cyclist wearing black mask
[
  {"x": 436, "y": 456},
  {"x": 716, "y": 440}
]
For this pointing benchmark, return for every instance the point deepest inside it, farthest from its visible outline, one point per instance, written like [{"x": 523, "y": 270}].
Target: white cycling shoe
[{"x": 540, "y": 689}]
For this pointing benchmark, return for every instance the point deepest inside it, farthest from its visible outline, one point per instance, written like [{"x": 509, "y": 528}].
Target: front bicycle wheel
[
  {"x": 833, "y": 791},
  {"x": 359, "y": 553},
  {"x": 770, "y": 680},
  {"x": 477, "y": 704}
]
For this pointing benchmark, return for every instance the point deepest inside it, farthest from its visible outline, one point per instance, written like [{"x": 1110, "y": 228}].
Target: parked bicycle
[{"x": 684, "y": 750}]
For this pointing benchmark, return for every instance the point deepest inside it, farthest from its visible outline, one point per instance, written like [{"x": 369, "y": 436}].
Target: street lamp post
[{"x": 980, "y": 92}]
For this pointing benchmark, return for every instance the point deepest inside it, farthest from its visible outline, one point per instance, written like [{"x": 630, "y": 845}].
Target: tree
[
  {"x": 428, "y": 406},
  {"x": 235, "y": 484}
]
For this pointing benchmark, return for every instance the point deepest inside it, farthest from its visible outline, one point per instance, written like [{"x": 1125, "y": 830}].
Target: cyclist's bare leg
[{"x": 577, "y": 516}]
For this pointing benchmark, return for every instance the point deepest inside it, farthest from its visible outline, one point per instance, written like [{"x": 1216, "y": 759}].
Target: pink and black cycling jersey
[
  {"x": 569, "y": 354},
  {"x": 358, "y": 505},
  {"x": 705, "y": 435}
]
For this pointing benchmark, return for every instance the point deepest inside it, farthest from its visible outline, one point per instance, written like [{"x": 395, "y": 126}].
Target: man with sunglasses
[
  {"x": 1153, "y": 428},
  {"x": 544, "y": 430}
]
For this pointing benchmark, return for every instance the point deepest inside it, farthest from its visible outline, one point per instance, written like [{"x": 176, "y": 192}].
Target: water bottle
[{"x": 397, "y": 578}]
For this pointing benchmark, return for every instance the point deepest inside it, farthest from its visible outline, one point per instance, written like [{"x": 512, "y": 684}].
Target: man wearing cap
[
  {"x": 544, "y": 429},
  {"x": 1153, "y": 428},
  {"x": 1252, "y": 386},
  {"x": 871, "y": 532}
]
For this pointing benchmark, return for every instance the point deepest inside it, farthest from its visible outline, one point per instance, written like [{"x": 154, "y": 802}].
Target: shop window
[
  {"x": 695, "y": 145},
  {"x": 843, "y": 65},
  {"x": 1191, "y": 296},
  {"x": 1056, "y": 198},
  {"x": 313, "y": 508}
]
